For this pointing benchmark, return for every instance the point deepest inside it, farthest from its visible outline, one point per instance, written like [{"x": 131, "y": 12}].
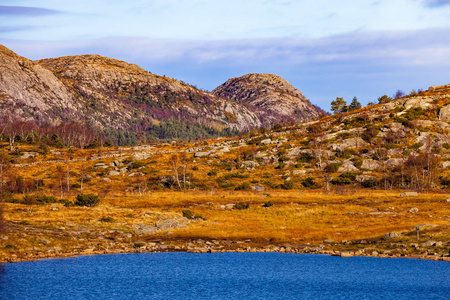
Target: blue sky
[{"x": 325, "y": 48}]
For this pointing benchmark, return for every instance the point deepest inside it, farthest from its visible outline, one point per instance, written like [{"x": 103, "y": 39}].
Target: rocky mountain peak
[{"x": 271, "y": 97}]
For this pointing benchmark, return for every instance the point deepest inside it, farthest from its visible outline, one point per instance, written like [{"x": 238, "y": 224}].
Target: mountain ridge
[{"x": 121, "y": 97}]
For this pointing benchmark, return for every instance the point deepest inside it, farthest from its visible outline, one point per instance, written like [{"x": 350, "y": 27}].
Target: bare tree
[
  {"x": 5, "y": 165},
  {"x": 60, "y": 175},
  {"x": 380, "y": 154},
  {"x": 174, "y": 162},
  {"x": 82, "y": 175}
]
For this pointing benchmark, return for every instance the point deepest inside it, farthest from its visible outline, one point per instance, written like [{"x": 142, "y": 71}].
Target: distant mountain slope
[
  {"x": 271, "y": 97},
  {"x": 127, "y": 102}
]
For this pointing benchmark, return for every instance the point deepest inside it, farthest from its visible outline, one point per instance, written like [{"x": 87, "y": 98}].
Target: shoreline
[{"x": 343, "y": 253}]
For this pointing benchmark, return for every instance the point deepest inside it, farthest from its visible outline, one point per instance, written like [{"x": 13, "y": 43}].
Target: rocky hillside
[
  {"x": 130, "y": 104},
  {"x": 29, "y": 90},
  {"x": 269, "y": 96}
]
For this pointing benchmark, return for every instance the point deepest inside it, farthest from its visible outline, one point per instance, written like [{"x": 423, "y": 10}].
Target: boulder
[
  {"x": 347, "y": 166},
  {"x": 266, "y": 142},
  {"x": 444, "y": 113},
  {"x": 223, "y": 150},
  {"x": 355, "y": 142},
  {"x": 363, "y": 178},
  {"x": 395, "y": 162},
  {"x": 391, "y": 235},
  {"x": 258, "y": 188},
  {"x": 421, "y": 102},
  {"x": 409, "y": 194},
  {"x": 414, "y": 210},
  {"x": 249, "y": 165},
  {"x": 201, "y": 154},
  {"x": 30, "y": 154},
  {"x": 298, "y": 172},
  {"x": 169, "y": 224},
  {"x": 429, "y": 243},
  {"x": 347, "y": 254},
  {"x": 370, "y": 164},
  {"x": 143, "y": 229},
  {"x": 113, "y": 173}
]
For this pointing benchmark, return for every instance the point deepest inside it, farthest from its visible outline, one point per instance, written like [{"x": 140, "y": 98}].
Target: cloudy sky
[{"x": 325, "y": 48}]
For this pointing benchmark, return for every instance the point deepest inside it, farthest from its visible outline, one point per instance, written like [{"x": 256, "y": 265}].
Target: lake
[{"x": 225, "y": 276}]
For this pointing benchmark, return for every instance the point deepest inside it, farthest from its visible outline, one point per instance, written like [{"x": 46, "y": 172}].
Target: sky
[{"x": 325, "y": 48}]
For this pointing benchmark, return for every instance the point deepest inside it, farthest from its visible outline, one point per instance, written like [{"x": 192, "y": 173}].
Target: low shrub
[
  {"x": 309, "y": 183},
  {"x": 213, "y": 172},
  {"x": 268, "y": 204},
  {"x": 188, "y": 214},
  {"x": 416, "y": 146},
  {"x": 287, "y": 185},
  {"x": 89, "y": 200},
  {"x": 243, "y": 187}
]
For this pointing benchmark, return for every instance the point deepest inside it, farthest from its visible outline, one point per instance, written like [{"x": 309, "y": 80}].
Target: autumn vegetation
[{"x": 339, "y": 178}]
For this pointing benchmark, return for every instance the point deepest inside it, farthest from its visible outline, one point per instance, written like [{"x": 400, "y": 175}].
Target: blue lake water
[{"x": 225, "y": 276}]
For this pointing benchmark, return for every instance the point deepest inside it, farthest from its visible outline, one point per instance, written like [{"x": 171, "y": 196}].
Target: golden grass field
[{"x": 295, "y": 218}]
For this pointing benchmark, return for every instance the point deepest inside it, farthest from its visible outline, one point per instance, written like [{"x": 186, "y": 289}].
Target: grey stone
[
  {"x": 113, "y": 173},
  {"x": 328, "y": 241}
]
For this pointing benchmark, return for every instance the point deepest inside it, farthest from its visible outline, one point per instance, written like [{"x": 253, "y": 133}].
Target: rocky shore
[{"x": 427, "y": 250}]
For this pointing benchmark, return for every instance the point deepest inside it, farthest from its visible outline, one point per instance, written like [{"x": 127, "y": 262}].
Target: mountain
[
  {"x": 130, "y": 104},
  {"x": 269, "y": 96}
]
